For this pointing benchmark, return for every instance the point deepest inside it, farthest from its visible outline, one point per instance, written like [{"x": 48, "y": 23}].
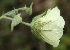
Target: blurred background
[{"x": 22, "y": 38}]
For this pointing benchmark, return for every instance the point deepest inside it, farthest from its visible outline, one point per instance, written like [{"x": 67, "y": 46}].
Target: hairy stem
[
  {"x": 26, "y": 24},
  {"x": 8, "y": 18},
  {"x": 21, "y": 22}
]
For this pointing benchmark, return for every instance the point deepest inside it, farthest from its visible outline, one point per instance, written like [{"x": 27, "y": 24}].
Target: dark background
[{"x": 22, "y": 38}]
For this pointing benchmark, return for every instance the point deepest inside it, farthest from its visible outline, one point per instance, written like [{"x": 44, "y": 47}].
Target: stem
[
  {"x": 26, "y": 24},
  {"x": 8, "y": 18}
]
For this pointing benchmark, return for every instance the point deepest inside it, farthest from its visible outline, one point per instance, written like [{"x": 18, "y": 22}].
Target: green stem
[
  {"x": 8, "y": 18},
  {"x": 28, "y": 24},
  {"x": 21, "y": 22}
]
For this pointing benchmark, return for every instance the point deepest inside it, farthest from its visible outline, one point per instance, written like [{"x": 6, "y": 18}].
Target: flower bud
[{"x": 49, "y": 27}]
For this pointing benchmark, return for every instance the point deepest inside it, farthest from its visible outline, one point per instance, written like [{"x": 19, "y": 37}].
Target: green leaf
[{"x": 16, "y": 20}]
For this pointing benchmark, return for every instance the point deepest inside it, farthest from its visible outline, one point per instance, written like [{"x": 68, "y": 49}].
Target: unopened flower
[{"x": 49, "y": 27}]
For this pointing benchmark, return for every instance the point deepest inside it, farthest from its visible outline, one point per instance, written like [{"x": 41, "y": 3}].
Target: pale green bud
[
  {"x": 15, "y": 21},
  {"x": 49, "y": 27}
]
